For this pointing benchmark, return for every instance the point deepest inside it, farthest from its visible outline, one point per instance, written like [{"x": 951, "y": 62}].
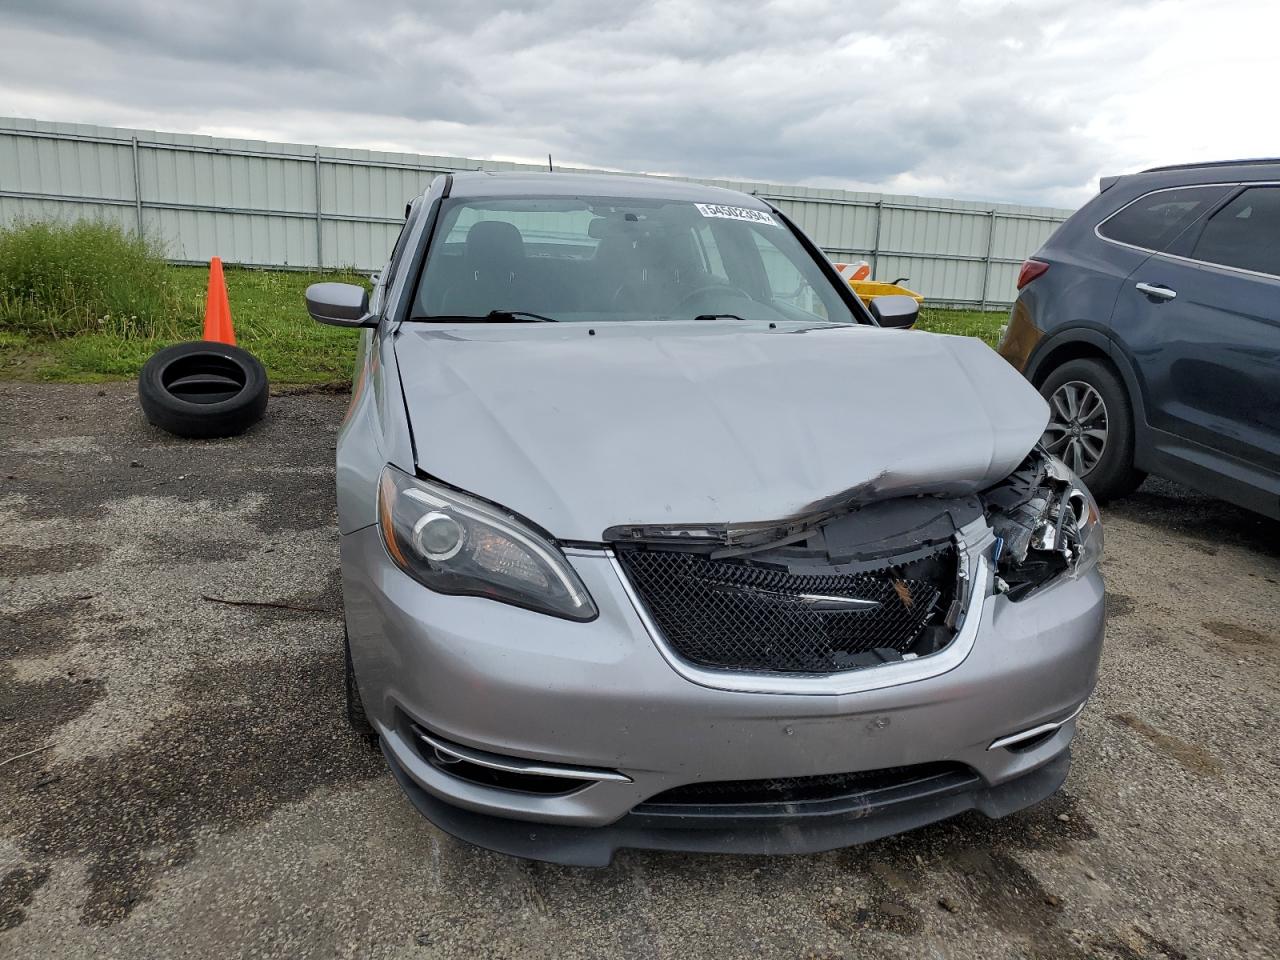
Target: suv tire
[
  {"x": 356, "y": 717},
  {"x": 1113, "y": 474}
]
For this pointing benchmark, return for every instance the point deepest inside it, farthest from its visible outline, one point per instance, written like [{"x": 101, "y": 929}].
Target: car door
[{"x": 1203, "y": 321}]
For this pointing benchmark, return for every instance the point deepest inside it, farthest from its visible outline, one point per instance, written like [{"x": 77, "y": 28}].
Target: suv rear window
[
  {"x": 1154, "y": 221},
  {"x": 1245, "y": 233}
]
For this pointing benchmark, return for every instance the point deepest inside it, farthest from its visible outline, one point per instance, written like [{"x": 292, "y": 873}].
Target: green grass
[
  {"x": 87, "y": 302},
  {"x": 86, "y": 277},
  {"x": 985, "y": 325},
  {"x": 267, "y": 311}
]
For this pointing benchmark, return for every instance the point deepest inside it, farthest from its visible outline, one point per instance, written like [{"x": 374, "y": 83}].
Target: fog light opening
[
  {"x": 504, "y": 780},
  {"x": 499, "y": 772},
  {"x": 445, "y": 759},
  {"x": 1029, "y": 739},
  {"x": 1022, "y": 746}
]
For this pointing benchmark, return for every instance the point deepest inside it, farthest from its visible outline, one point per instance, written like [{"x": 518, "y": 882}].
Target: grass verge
[
  {"x": 270, "y": 321},
  {"x": 266, "y": 308},
  {"x": 84, "y": 277},
  {"x": 985, "y": 325}
]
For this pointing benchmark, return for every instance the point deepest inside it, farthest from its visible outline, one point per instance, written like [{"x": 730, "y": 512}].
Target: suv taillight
[{"x": 1030, "y": 270}]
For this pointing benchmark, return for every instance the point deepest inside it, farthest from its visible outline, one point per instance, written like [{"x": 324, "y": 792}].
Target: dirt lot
[{"x": 195, "y": 791}]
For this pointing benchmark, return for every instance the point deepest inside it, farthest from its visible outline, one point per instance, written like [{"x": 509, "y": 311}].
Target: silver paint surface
[{"x": 709, "y": 421}]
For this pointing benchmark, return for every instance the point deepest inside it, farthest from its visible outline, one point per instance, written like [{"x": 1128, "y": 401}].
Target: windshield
[{"x": 602, "y": 259}]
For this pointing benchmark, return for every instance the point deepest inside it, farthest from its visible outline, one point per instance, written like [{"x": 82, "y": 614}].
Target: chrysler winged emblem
[{"x": 834, "y": 604}]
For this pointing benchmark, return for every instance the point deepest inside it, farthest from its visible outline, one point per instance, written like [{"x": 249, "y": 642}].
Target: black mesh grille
[
  {"x": 806, "y": 789},
  {"x": 739, "y": 615}
]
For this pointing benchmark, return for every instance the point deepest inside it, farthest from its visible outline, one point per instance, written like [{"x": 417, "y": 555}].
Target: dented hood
[{"x": 709, "y": 421}]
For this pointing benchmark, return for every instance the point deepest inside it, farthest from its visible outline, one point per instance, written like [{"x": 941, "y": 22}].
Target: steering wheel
[
  {"x": 722, "y": 289},
  {"x": 625, "y": 289}
]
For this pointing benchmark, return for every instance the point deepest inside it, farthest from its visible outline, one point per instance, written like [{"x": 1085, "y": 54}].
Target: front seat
[
  {"x": 493, "y": 276},
  {"x": 613, "y": 267}
]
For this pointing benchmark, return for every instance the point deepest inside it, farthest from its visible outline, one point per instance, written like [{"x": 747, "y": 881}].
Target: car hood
[{"x": 707, "y": 422}]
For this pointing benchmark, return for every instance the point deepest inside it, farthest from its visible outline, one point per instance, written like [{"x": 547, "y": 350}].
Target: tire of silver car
[
  {"x": 356, "y": 717},
  {"x": 1091, "y": 426}
]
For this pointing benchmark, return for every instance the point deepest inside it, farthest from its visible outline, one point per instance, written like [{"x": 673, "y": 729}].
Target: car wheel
[
  {"x": 1091, "y": 426},
  {"x": 356, "y": 717},
  {"x": 203, "y": 389}
]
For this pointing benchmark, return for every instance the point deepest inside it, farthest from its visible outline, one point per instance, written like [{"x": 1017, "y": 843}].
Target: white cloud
[{"x": 994, "y": 99}]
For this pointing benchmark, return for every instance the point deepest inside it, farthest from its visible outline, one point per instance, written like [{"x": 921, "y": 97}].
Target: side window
[
  {"x": 786, "y": 283},
  {"x": 393, "y": 263},
  {"x": 1154, "y": 221},
  {"x": 1245, "y": 233}
]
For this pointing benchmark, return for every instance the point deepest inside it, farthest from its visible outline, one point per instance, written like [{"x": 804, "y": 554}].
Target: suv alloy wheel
[{"x": 1091, "y": 426}]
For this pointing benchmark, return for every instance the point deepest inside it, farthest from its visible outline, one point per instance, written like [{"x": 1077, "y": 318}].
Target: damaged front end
[
  {"x": 829, "y": 593},
  {"x": 866, "y": 585},
  {"x": 1046, "y": 523}
]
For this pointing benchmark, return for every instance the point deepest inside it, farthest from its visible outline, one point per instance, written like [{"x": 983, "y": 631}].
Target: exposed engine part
[
  {"x": 849, "y": 533},
  {"x": 1036, "y": 513}
]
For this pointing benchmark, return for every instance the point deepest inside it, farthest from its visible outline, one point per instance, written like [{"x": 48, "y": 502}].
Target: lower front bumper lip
[{"x": 595, "y": 846}]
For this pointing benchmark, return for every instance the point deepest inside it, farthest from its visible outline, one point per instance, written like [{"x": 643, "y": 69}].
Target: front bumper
[
  {"x": 511, "y": 682},
  {"x": 595, "y": 846}
]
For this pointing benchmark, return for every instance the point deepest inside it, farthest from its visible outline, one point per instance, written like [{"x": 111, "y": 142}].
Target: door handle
[{"x": 1156, "y": 291}]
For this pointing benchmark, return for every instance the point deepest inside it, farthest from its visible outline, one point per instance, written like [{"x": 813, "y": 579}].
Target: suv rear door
[{"x": 1201, "y": 321}]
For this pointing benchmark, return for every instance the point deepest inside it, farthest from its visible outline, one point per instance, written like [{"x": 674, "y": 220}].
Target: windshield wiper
[
  {"x": 719, "y": 316},
  {"x": 518, "y": 316},
  {"x": 493, "y": 316}
]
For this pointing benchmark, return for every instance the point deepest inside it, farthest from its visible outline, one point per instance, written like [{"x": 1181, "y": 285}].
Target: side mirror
[
  {"x": 895, "y": 310},
  {"x": 339, "y": 304}
]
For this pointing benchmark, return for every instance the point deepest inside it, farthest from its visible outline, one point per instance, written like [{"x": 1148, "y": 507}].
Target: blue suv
[{"x": 1150, "y": 321}]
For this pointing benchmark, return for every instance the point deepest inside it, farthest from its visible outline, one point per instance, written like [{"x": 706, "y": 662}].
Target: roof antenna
[{"x": 550, "y": 168}]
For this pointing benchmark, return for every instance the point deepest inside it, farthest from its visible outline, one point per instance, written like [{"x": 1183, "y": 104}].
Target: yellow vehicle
[
  {"x": 866, "y": 289},
  {"x": 857, "y": 274}
]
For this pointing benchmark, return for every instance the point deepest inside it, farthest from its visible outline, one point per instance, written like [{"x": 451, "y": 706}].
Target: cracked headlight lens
[
  {"x": 456, "y": 544},
  {"x": 1047, "y": 523},
  {"x": 1088, "y": 520}
]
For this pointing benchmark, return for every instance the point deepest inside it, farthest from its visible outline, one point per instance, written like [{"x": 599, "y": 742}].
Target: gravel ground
[{"x": 196, "y": 793}]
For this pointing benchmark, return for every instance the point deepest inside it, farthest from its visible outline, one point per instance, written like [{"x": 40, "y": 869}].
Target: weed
[{"x": 85, "y": 277}]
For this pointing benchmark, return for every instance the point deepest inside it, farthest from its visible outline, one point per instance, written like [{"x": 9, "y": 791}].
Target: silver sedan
[{"x": 654, "y": 536}]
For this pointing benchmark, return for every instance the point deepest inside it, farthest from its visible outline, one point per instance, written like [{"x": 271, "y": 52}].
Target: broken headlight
[
  {"x": 453, "y": 543},
  {"x": 1046, "y": 522}
]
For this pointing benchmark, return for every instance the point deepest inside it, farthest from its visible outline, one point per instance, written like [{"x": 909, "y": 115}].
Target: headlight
[
  {"x": 457, "y": 544},
  {"x": 1088, "y": 525},
  {"x": 1047, "y": 524}
]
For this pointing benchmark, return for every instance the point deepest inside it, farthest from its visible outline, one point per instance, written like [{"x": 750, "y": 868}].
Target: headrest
[{"x": 494, "y": 242}]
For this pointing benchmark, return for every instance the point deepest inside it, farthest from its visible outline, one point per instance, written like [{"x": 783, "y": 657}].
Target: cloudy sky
[{"x": 1019, "y": 100}]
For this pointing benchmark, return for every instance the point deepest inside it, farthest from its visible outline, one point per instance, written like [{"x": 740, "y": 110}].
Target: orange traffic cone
[{"x": 217, "y": 309}]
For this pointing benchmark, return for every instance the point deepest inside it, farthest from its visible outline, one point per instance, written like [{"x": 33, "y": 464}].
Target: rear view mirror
[
  {"x": 339, "y": 304},
  {"x": 895, "y": 310}
]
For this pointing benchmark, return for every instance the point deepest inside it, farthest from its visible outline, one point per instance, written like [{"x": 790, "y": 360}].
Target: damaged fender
[{"x": 1046, "y": 523}]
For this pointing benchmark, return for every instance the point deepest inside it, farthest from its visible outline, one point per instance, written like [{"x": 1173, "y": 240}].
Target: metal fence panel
[
  {"x": 834, "y": 227},
  {"x": 288, "y": 205},
  {"x": 257, "y": 239},
  {"x": 1017, "y": 238},
  {"x": 21, "y": 208}
]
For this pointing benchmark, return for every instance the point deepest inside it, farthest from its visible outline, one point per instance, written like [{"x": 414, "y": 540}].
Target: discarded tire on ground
[{"x": 203, "y": 389}]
